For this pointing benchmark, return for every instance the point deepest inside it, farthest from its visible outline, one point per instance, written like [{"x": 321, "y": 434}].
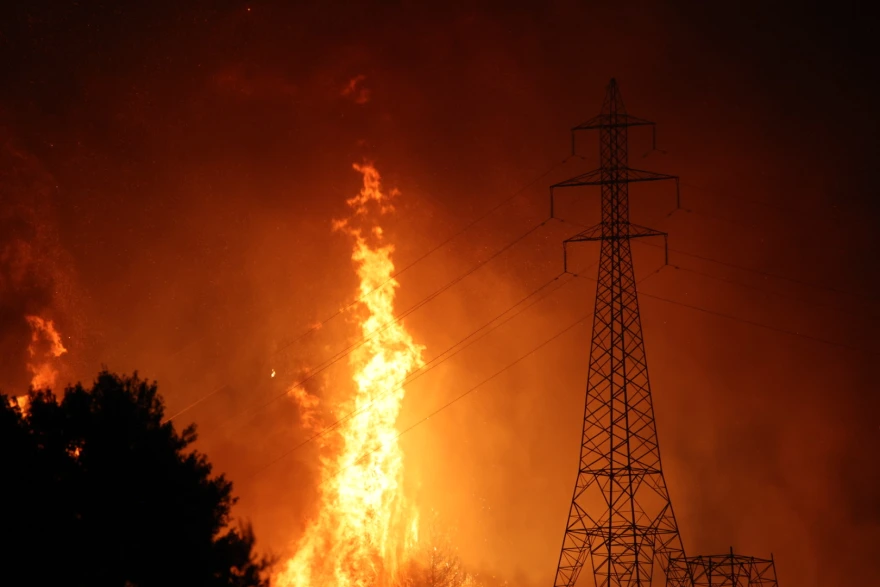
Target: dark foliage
[{"x": 97, "y": 490}]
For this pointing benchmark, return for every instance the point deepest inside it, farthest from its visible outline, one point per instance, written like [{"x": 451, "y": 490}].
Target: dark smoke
[{"x": 35, "y": 275}]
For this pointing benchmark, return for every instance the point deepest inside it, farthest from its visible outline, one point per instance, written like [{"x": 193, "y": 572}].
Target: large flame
[
  {"x": 44, "y": 348},
  {"x": 365, "y": 528}
]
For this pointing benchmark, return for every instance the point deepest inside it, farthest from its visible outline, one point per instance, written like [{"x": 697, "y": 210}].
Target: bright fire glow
[
  {"x": 364, "y": 529},
  {"x": 45, "y": 346}
]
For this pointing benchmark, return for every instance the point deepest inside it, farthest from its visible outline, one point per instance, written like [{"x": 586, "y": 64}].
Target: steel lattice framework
[
  {"x": 727, "y": 570},
  {"x": 620, "y": 512}
]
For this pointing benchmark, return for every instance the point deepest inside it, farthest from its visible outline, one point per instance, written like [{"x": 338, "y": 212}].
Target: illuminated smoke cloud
[
  {"x": 355, "y": 90},
  {"x": 34, "y": 280}
]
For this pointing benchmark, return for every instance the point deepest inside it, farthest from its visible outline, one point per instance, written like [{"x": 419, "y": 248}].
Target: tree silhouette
[{"x": 97, "y": 490}]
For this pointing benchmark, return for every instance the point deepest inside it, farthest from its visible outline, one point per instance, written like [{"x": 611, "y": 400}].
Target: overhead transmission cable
[
  {"x": 442, "y": 357},
  {"x": 475, "y": 387},
  {"x": 330, "y": 361},
  {"x": 454, "y": 400},
  {"x": 429, "y": 252},
  {"x": 574, "y": 324},
  {"x": 777, "y": 293},
  {"x": 722, "y": 194},
  {"x": 422, "y": 257},
  {"x": 470, "y": 390},
  {"x": 754, "y": 323},
  {"x": 760, "y": 272}
]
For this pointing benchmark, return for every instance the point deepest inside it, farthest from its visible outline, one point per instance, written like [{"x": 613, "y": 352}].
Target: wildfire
[
  {"x": 365, "y": 528},
  {"x": 308, "y": 408},
  {"x": 45, "y": 346}
]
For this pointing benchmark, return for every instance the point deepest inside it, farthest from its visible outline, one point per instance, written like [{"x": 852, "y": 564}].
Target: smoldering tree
[
  {"x": 437, "y": 563},
  {"x": 443, "y": 567}
]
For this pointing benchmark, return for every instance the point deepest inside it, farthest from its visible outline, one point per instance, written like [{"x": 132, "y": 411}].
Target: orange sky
[{"x": 170, "y": 174}]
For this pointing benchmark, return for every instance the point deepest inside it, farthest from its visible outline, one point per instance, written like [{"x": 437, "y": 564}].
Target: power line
[
  {"x": 750, "y": 270},
  {"x": 363, "y": 340},
  {"x": 743, "y": 268},
  {"x": 777, "y": 293},
  {"x": 720, "y": 194},
  {"x": 438, "y": 359},
  {"x": 746, "y": 321},
  {"x": 327, "y": 363},
  {"x": 787, "y": 208},
  {"x": 198, "y": 401},
  {"x": 417, "y": 374},
  {"x": 753, "y": 287},
  {"x": 392, "y": 277},
  {"x": 755, "y": 323},
  {"x": 422, "y": 257},
  {"x": 454, "y": 400},
  {"x": 426, "y": 254},
  {"x": 769, "y": 274}
]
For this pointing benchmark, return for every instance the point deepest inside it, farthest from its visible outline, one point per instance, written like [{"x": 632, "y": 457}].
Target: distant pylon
[
  {"x": 728, "y": 570},
  {"x": 620, "y": 512}
]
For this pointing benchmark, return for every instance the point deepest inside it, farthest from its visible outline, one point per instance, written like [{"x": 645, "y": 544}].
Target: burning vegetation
[
  {"x": 366, "y": 530},
  {"x": 44, "y": 350}
]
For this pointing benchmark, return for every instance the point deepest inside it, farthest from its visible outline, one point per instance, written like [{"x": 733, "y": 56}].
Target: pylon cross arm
[
  {"x": 607, "y": 121},
  {"x": 612, "y": 176},
  {"x": 595, "y": 233}
]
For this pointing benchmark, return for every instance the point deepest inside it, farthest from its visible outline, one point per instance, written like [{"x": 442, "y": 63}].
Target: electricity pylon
[
  {"x": 728, "y": 570},
  {"x": 620, "y": 512}
]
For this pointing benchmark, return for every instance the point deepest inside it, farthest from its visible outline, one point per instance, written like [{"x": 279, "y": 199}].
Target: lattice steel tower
[
  {"x": 728, "y": 570},
  {"x": 620, "y": 512}
]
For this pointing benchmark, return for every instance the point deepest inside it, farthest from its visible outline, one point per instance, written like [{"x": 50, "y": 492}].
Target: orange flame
[
  {"x": 308, "y": 405},
  {"x": 365, "y": 527},
  {"x": 22, "y": 401},
  {"x": 45, "y": 346}
]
